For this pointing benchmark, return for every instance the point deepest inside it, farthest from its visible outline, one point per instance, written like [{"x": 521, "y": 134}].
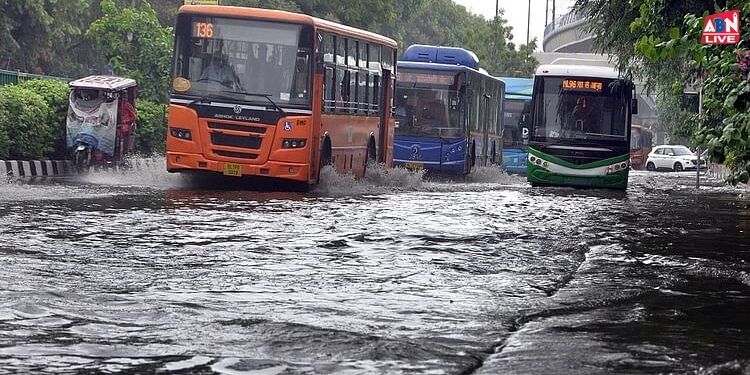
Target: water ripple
[{"x": 139, "y": 272}]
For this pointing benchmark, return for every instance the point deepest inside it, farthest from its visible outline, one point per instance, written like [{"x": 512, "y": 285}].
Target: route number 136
[{"x": 204, "y": 30}]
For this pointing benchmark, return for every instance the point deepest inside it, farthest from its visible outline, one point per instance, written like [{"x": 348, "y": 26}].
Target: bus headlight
[
  {"x": 181, "y": 133},
  {"x": 612, "y": 168},
  {"x": 293, "y": 143},
  {"x": 538, "y": 161}
]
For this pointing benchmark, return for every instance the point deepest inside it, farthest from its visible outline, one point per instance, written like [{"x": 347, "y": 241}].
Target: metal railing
[
  {"x": 10, "y": 77},
  {"x": 563, "y": 20}
]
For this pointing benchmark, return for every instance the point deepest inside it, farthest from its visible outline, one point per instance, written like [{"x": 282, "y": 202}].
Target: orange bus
[
  {"x": 640, "y": 145},
  {"x": 259, "y": 92}
]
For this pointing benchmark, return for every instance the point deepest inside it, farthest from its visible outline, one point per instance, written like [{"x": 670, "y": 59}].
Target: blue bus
[
  {"x": 579, "y": 127},
  {"x": 515, "y": 135},
  {"x": 447, "y": 111}
]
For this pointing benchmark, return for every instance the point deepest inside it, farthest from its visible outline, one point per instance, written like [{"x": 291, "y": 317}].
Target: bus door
[
  {"x": 384, "y": 109},
  {"x": 487, "y": 128}
]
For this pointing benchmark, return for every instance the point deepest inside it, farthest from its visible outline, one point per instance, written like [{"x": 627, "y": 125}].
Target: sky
[{"x": 517, "y": 14}]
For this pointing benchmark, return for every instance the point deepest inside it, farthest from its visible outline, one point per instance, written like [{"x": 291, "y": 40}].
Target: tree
[
  {"x": 659, "y": 41},
  {"x": 288, "y": 5},
  {"x": 44, "y": 36},
  {"x": 135, "y": 45},
  {"x": 166, "y": 10},
  {"x": 724, "y": 122},
  {"x": 443, "y": 22},
  {"x": 491, "y": 42}
]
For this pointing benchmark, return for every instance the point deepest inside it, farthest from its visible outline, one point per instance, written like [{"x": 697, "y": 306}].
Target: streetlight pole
[
  {"x": 553, "y": 10},
  {"x": 497, "y": 7},
  {"x": 528, "y": 24}
]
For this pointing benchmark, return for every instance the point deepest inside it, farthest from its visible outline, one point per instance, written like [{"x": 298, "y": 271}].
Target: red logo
[{"x": 721, "y": 28}]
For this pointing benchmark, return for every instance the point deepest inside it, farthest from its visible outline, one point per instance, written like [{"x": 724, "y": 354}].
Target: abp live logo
[{"x": 721, "y": 28}]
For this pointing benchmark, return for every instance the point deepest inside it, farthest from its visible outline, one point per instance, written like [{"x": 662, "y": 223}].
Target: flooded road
[{"x": 139, "y": 272}]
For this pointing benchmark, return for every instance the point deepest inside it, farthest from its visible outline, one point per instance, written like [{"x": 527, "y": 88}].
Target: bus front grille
[
  {"x": 233, "y": 154},
  {"x": 237, "y": 127},
  {"x": 243, "y": 141}
]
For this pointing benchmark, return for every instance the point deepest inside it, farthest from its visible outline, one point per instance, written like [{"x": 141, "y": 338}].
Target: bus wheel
[
  {"x": 371, "y": 155},
  {"x": 473, "y": 156},
  {"x": 650, "y": 166},
  {"x": 325, "y": 157}
]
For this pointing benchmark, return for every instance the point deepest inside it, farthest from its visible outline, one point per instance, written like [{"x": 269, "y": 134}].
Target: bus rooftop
[
  {"x": 280, "y": 15},
  {"x": 578, "y": 71},
  {"x": 441, "y": 55}
]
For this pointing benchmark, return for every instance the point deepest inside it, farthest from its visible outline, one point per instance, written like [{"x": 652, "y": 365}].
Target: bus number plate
[
  {"x": 414, "y": 165},
  {"x": 232, "y": 169}
]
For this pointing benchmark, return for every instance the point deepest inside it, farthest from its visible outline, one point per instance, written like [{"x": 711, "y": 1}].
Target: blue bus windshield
[
  {"x": 512, "y": 134},
  {"x": 428, "y": 112}
]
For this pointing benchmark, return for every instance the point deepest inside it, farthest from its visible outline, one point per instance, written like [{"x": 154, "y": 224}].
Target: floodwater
[{"x": 140, "y": 272}]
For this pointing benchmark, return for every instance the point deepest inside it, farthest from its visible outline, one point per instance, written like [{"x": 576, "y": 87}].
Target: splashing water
[
  {"x": 493, "y": 174},
  {"x": 150, "y": 172},
  {"x": 381, "y": 180},
  {"x": 145, "y": 172},
  {"x": 377, "y": 179}
]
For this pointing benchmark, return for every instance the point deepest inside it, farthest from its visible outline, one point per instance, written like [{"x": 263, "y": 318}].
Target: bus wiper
[
  {"x": 266, "y": 96},
  {"x": 202, "y": 100}
]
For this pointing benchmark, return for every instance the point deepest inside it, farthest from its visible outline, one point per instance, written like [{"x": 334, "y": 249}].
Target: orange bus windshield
[{"x": 226, "y": 56}]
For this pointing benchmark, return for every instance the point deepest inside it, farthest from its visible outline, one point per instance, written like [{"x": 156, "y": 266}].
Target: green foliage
[
  {"x": 55, "y": 94},
  {"x": 146, "y": 57},
  {"x": 43, "y": 36},
  {"x": 4, "y": 118},
  {"x": 490, "y": 40},
  {"x": 678, "y": 121},
  {"x": 152, "y": 127},
  {"x": 659, "y": 41},
  {"x": 724, "y": 123},
  {"x": 441, "y": 22},
  {"x": 362, "y": 14},
  {"x": 288, "y": 5},
  {"x": 24, "y": 119},
  {"x": 166, "y": 10}
]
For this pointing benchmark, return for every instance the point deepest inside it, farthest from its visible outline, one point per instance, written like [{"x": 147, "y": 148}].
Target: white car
[{"x": 672, "y": 157}]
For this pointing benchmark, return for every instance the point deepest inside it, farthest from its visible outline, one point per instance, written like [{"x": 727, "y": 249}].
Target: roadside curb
[{"x": 35, "y": 168}]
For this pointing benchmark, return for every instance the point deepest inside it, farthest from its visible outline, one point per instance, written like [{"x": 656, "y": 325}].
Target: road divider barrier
[{"x": 35, "y": 168}]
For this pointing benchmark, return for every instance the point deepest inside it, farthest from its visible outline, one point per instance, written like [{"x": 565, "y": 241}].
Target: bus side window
[
  {"x": 329, "y": 101},
  {"x": 352, "y": 93},
  {"x": 377, "y": 92},
  {"x": 341, "y": 89},
  {"x": 362, "y": 91},
  {"x": 301, "y": 75}
]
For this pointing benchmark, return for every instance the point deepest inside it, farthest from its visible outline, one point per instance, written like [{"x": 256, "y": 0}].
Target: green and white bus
[{"x": 579, "y": 123}]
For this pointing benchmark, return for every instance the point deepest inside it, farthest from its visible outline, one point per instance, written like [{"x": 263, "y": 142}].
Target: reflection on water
[{"x": 142, "y": 272}]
